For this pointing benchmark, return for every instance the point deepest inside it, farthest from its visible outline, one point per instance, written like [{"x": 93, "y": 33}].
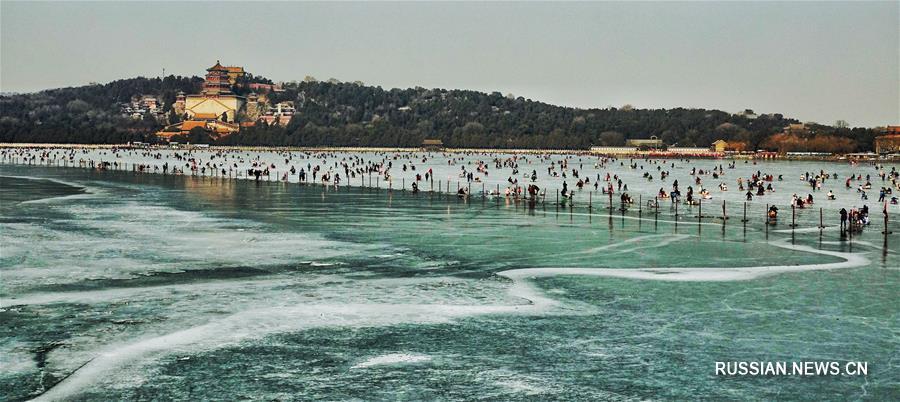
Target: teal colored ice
[{"x": 120, "y": 285}]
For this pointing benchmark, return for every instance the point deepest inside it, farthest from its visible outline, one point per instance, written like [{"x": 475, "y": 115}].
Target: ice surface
[{"x": 189, "y": 288}]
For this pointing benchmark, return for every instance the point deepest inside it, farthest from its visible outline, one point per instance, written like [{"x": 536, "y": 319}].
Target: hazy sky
[{"x": 817, "y": 61}]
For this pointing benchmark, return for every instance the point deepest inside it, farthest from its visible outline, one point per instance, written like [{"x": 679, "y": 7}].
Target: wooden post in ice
[
  {"x": 793, "y": 216},
  {"x": 699, "y": 210},
  {"x": 821, "y": 219},
  {"x": 724, "y": 216}
]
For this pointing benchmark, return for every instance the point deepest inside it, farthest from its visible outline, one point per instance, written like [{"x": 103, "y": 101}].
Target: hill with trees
[{"x": 332, "y": 113}]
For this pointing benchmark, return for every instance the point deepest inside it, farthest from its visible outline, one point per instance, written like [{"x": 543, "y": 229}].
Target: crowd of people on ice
[{"x": 335, "y": 168}]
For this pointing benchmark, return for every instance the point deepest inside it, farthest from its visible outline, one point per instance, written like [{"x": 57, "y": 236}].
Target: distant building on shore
[
  {"x": 796, "y": 129},
  {"x": 260, "y": 87},
  {"x": 701, "y": 152},
  {"x": 889, "y": 143},
  {"x": 603, "y": 150},
  {"x": 432, "y": 145},
  {"x": 654, "y": 146},
  {"x": 279, "y": 114},
  {"x": 653, "y": 142},
  {"x": 722, "y": 146},
  {"x": 141, "y": 105},
  {"x": 719, "y": 145}
]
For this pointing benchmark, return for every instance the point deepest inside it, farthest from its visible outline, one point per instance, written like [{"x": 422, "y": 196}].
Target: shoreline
[{"x": 634, "y": 155}]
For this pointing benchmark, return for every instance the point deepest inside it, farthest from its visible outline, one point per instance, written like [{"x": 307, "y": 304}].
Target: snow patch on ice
[{"x": 391, "y": 359}]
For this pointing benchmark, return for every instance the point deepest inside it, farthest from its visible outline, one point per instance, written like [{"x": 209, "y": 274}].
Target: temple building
[
  {"x": 220, "y": 111},
  {"x": 279, "y": 114},
  {"x": 800, "y": 129},
  {"x": 432, "y": 144},
  {"x": 234, "y": 73},
  {"x": 142, "y": 105},
  {"x": 215, "y": 108},
  {"x": 215, "y": 101},
  {"x": 260, "y": 87}
]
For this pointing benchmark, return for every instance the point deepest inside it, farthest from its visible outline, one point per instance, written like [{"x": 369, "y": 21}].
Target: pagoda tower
[
  {"x": 217, "y": 81},
  {"x": 179, "y": 103}
]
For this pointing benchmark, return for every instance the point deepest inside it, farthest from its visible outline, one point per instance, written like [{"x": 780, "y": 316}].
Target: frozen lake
[
  {"x": 499, "y": 171},
  {"x": 122, "y": 285}
]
